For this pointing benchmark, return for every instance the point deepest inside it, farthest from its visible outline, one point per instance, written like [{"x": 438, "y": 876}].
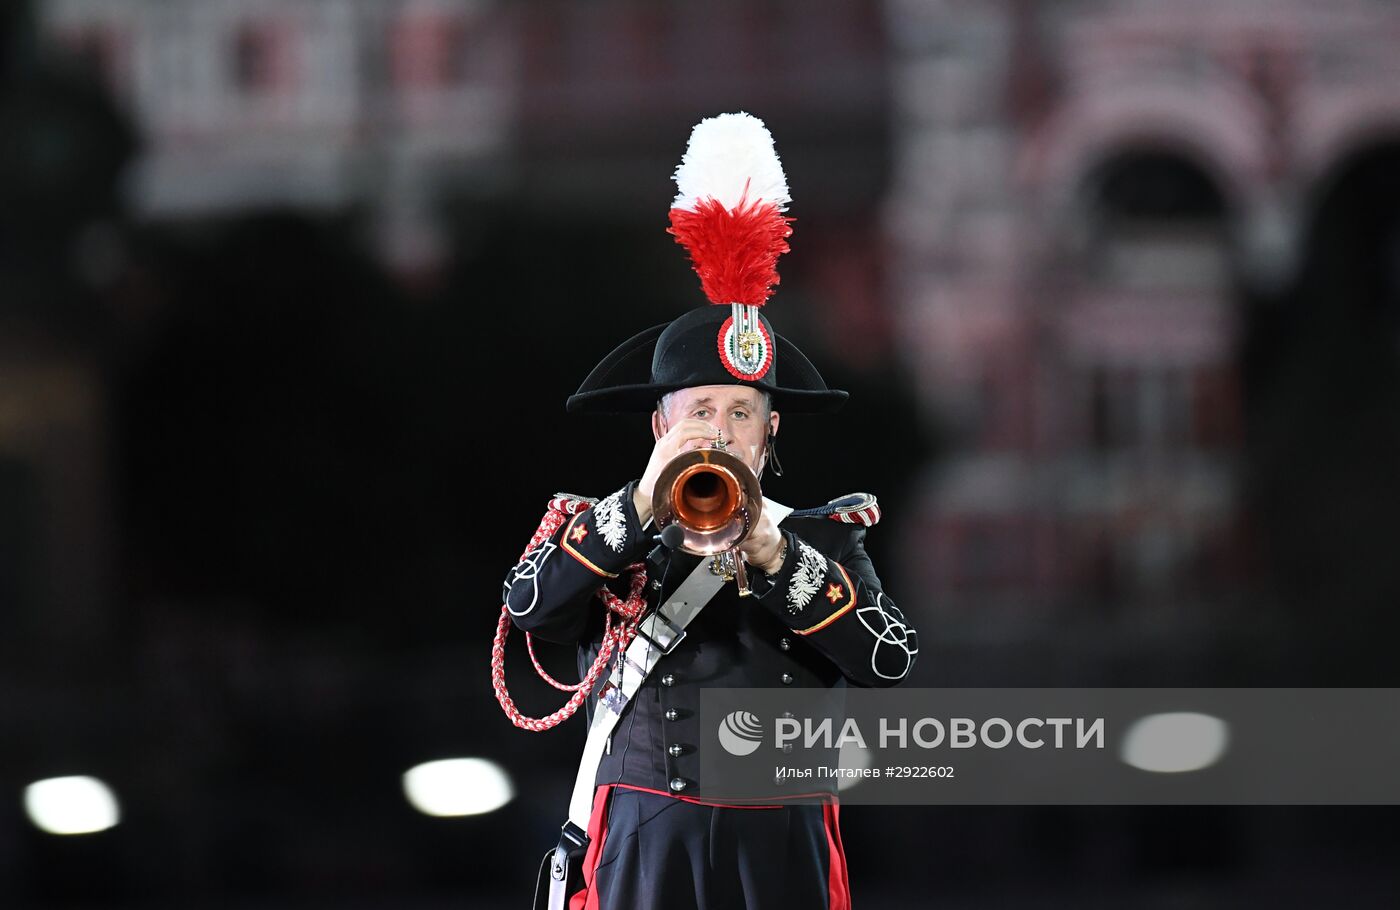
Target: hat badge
[{"x": 744, "y": 346}]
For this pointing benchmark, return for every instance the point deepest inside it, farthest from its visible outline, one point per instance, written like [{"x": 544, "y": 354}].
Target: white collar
[{"x": 776, "y": 509}]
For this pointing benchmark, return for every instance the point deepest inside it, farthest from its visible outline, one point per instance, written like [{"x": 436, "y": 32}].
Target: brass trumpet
[{"x": 714, "y": 498}]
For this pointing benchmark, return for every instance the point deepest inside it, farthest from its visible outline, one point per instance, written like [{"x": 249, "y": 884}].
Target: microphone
[
  {"x": 672, "y": 537},
  {"x": 668, "y": 540}
]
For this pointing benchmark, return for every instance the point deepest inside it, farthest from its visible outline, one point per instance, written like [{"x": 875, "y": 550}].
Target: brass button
[
  {"x": 787, "y": 679},
  {"x": 668, "y": 680},
  {"x": 785, "y": 644},
  {"x": 672, "y": 714},
  {"x": 676, "y": 750},
  {"x": 677, "y": 784}
]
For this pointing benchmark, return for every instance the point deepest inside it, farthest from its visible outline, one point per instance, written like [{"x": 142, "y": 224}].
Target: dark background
[{"x": 281, "y": 400}]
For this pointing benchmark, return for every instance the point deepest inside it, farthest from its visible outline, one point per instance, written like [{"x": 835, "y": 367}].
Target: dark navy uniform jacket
[{"x": 822, "y": 621}]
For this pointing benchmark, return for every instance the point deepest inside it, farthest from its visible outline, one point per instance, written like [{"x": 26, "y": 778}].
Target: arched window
[
  {"x": 1353, "y": 248},
  {"x": 1153, "y": 218},
  {"x": 1153, "y": 186},
  {"x": 1154, "y": 269}
]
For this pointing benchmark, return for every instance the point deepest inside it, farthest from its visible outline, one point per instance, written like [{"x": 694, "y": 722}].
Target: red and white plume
[{"x": 729, "y": 209}]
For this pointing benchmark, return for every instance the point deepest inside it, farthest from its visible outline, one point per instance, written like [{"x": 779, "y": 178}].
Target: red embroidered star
[
  {"x": 833, "y": 592},
  {"x": 578, "y": 533}
]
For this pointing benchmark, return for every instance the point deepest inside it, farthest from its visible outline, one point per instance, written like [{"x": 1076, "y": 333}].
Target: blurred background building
[
  {"x": 1107, "y": 231},
  {"x": 291, "y": 293}
]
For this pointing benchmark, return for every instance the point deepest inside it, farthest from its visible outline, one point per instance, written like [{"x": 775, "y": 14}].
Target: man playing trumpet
[{"x": 717, "y": 377}]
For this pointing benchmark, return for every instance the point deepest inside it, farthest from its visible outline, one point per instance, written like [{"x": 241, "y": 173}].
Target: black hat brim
[{"x": 620, "y": 384}]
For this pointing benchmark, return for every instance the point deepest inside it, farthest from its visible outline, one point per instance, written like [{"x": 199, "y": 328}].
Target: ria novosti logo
[{"x": 740, "y": 733}]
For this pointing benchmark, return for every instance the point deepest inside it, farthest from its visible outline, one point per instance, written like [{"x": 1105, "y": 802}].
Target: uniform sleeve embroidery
[
  {"x": 528, "y": 569},
  {"x": 612, "y": 521},
  {"x": 806, "y": 578},
  {"x": 893, "y": 638}
]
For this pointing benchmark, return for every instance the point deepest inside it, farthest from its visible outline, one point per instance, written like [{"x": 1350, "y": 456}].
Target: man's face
[{"x": 737, "y": 411}]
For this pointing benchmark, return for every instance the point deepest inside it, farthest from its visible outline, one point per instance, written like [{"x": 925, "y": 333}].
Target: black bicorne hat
[
  {"x": 683, "y": 353},
  {"x": 729, "y": 215}
]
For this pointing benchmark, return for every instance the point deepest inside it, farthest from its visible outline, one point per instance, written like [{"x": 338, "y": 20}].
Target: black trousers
[{"x": 650, "y": 851}]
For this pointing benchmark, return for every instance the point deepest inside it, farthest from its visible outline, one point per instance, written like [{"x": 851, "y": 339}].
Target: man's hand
[
  {"x": 763, "y": 548},
  {"x": 686, "y": 435}
]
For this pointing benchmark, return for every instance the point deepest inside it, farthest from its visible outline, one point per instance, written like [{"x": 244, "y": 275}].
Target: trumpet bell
[{"x": 712, "y": 495}]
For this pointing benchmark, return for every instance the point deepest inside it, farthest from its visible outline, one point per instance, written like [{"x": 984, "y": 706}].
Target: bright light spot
[
  {"x": 855, "y": 758},
  {"x": 458, "y": 786},
  {"x": 71, "y": 805},
  {"x": 1170, "y": 743}
]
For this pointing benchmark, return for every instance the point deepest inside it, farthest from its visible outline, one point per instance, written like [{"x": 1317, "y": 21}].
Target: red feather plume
[{"x": 735, "y": 252}]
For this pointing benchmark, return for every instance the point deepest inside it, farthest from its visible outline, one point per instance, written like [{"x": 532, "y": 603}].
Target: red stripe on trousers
[
  {"x": 838, "y": 884},
  {"x": 587, "y": 899}
]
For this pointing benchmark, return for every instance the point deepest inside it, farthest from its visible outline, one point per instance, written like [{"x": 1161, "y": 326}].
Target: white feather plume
[{"x": 726, "y": 155}]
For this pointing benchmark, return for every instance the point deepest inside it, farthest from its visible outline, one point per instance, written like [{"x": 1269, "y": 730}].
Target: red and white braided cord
[{"x": 615, "y": 637}]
